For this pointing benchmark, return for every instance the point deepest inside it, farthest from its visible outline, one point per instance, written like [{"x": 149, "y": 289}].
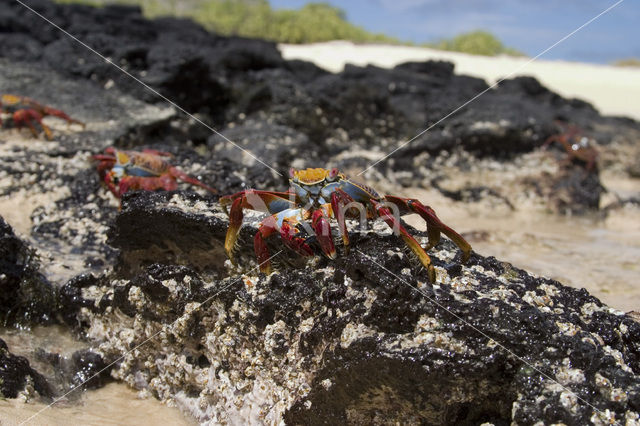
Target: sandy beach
[{"x": 612, "y": 90}]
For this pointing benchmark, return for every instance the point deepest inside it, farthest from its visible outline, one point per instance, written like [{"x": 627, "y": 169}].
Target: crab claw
[
  {"x": 295, "y": 243},
  {"x": 322, "y": 229}
]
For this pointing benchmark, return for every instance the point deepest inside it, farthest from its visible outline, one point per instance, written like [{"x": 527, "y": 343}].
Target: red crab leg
[
  {"x": 235, "y": 222},
  {"x": 322, "y": 228},
  {"x": 26, "y": 117},
  {"x": 394, "y": 224},
  {"x": 166, "y": 182},
  {"x": 179, "y": 174},
  {"x": 434, "y": 224},
  {"x": 339, "y": 199},
  {"x": 57, "y": 113},
  {"x": 265, "y": 201},
  {"x": 266, "y": 228}
]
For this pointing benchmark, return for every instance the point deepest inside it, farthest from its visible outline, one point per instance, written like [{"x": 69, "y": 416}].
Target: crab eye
[
  {"x": 333, "y": 174},
  {"x": 292, "y": 175}
]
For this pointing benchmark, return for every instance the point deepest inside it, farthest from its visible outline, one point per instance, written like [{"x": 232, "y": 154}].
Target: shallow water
[
  {"x": 599, "y": 254},
  {"x": 113, "y": 404}
]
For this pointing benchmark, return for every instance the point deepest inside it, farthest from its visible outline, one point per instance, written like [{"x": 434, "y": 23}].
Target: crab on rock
[
  {"x": 148, "y": 170},
  {"x": 576, "y": 145},
  {"x": 21, "y": 111},
  {"x": 316, "y": 195}
]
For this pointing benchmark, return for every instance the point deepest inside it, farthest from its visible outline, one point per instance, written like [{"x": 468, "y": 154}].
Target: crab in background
[
  {"x": 316, "y": 196},
  {"x": 148, "y": 170},
  {"x": 20, "y": 111},
  {"x": 576, "y": 145}
]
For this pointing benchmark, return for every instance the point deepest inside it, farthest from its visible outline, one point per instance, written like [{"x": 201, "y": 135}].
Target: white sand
[{"x": 612, "y": 90}]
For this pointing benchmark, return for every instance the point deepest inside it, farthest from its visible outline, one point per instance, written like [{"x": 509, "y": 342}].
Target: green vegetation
[
  {"x": 476, "y": 43},
  {"x": 314, "y": 22},
  {"x": 629, "y": 62}
]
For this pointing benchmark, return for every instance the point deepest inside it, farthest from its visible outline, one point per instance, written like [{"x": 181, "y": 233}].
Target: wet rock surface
[
  {"x": 365, "y": 338},
  {"x": 147, "y": 283},
  {"x": 26, "y": 297},
  {"x": 17, "y": 377}
]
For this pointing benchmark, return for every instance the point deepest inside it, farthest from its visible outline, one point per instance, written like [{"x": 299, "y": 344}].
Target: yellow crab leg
[{"x": 394, "y": 224}]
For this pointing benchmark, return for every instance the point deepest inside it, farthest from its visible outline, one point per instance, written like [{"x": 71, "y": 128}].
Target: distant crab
[
  {"x": 20, "y": 111},
  {"x": 148, "y": 170},
  {"x": 576, "y": 145},
  {"x": 316, "y": 195}
]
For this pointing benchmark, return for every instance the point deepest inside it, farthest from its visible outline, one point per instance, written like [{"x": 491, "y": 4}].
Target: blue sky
[{"x": 528, "y": 25}]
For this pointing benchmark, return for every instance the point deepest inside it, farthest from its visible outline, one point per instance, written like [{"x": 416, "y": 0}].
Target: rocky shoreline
[{"x": 362, "y": 339}]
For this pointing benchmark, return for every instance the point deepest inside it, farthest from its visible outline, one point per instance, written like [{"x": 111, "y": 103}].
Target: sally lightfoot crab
[
  {"x": 577, "y": 146},
  {"x": 316, "y": 196},
  {"x": 20, "y": 111},
  {"x": 148, "y": 170}
]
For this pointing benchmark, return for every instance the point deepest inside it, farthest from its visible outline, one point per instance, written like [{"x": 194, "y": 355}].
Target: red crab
[
  {"x": 576, "y": 145},
  {"x": 25, "y": 112},
  {"x": 316, "y": 195},
  {"x": 149, "y": 170}
]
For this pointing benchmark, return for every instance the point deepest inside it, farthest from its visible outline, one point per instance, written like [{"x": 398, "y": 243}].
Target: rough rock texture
[
  {"x": 26, "y": 297},
  {"x": 18, "y": 378},
  {"x": 363, "y": 339},
  {"x": 317, "y": 341},
  {"x": 247, "y": 91}
]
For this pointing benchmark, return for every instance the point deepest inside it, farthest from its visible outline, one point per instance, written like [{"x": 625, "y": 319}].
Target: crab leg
[
  {"x": 322, "y": 228},
  {"x": 394, "y": 224},
  {"x": 57, "y": 113},
  {"x": 179, "y": 174},
  {"x": 339, "y": 199},
  {"x": 27, "y": 117},
  {"x": 266, "y": 228},
  {"x": 235, "y": 222},
  {"x": 434, "y": 224},
  {"x": 265, "y": 201}
]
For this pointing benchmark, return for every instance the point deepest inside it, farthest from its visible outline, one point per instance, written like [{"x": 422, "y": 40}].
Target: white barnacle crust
[
  {"x": 567, "y": 328},
  {"x": 569, "y": 401},
  {"x": 353, "y": 332},
  {"x": 535, "y": 299},
  {"x": 632, "y": 418},
  {"x": 566, "y": 376},
  {"x": 604, "y": 417}
]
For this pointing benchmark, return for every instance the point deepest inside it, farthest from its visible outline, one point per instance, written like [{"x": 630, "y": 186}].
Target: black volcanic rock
[
  {"x": 16, "y": 376},
  {"x": 224, "y": 77},
  {"x": 26, "y": 296},
  {"x": 364, "y": 338},
  {"x": 172, "y": 234},
  {"x": 344, "y": 341}
]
